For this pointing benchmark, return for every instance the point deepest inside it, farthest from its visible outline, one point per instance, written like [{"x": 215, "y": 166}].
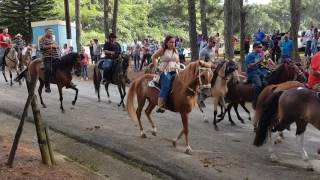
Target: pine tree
[{"x": 17, "y": 15}]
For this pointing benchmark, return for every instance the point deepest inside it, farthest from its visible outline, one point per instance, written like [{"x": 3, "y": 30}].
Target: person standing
[
  {"x": 65, "y": 50},
  {"x": 97, "y": 50},
  {"x": 5, "y": 43},
  {"x": 50, "y": 54},
  {"x": 308, "y": 39},
  {"x": 314, "y": 44},
  {"x": 91, "y": 51},
  {"x": 217, "y": 46},
  {"x": 85, "y": 62},
  {"x": 146, "y": 53},
  {"x": 286, "y": 48},
  {"x": 136, "y": 53}
]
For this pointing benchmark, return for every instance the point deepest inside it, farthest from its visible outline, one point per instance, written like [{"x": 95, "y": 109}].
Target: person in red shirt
[
  {"x": 85, "y": 62},
  {"x": 5, "y": 43},
  {"x": 314, "y": 73}
]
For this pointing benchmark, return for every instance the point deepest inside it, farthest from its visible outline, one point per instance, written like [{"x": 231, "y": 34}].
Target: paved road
[{"x": 224, "y": 154}]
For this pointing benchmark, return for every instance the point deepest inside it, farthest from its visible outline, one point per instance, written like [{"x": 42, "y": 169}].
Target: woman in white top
[{"x": 169, "y": 59}]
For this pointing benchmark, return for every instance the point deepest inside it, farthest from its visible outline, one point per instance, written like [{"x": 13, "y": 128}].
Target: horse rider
[
  {"x": 267, "y": 62},
  {"x": 208, "y": 55},
  {"x": 112, "y": 50},
  {"x": 5, "y": 43},
  {"x": 254, "y": 73},
  {"x": 50, "y": 54},
  {"x": 20, "y": 44},
  {"x": 169, "y": 59}
]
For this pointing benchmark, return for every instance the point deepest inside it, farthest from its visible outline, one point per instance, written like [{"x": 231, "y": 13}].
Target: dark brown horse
[
  {"x": 61, "y": 75},
  {"x": 240, "y": 93},
  {"x": 298, "y": 105},
  {"x": 118, "y": 77},
  {"x": 183, "y": 95}
]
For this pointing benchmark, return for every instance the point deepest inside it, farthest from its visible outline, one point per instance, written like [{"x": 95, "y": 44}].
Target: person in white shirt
[{"x": 308, "y": 39}]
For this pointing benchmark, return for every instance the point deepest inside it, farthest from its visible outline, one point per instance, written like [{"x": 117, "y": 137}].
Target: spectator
[
  {"x": 308, "y": 39},
  {"x": 314, "y": 44},
  {"x": 91, "y": 51},
  {"x": 85, "y": 62},
  {"x": 217, "y": 40},
  {"x": 97, "y": 49},
  {"x": 259, "y": 36},
  {"x": 286, "y": 48},
  {"x": 136, "y": 47},
  {"x": 65, "y": 50},
  {"x": 146, "y": 53}
]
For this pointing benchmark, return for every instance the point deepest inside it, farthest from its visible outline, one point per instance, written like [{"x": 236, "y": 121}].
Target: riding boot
[
  {"x": 160, "y": 105},
  {"x": 47, "y": 81}
]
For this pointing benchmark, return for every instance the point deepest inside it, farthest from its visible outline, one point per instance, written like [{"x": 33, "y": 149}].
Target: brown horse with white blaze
[{"x": 183, "y": 96}]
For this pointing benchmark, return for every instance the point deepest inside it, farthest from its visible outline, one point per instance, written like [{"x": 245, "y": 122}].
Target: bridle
[
  {"x": 204, "y": 86},
  {"x": 12, "y": 58}
]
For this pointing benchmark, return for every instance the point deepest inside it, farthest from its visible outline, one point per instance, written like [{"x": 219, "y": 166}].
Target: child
[{"x": 85, "y": 62}]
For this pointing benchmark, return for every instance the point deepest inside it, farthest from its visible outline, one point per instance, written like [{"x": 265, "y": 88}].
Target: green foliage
[{"x": 18, "y": 14}]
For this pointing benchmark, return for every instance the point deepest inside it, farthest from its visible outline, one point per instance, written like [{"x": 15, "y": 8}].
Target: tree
[
  {"x": 17, "y": 15},
  {"x": 78, "y": 24},
  {"x": 115, "y": 16},
  {"x": 203, "y": 14},
  {"x": 228, "y": 29},
  {"x": 193, "y": 29},
  {"x": 295, "y": 22},
  {"x": 242, "y": 31},
  {"x": 106, "y": 18}
]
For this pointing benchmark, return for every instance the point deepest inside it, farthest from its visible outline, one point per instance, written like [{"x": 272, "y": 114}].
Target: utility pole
[{"x": 68, "y": 25}]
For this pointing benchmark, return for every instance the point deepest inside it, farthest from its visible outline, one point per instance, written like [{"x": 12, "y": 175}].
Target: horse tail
[
  {"x": 21, "y": 75},
  {"x": 268, "y": 115},
  {"x": 130, "y": 106},
  {"x": 96, "y": 79}
]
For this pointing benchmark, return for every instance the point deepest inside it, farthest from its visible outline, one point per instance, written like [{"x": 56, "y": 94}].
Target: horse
[
  {"x": 26, "y": 57},
  {"x": 11, "y": 61},
  {"x": 241, "y": 92},
  {"x": 61, "y": 75},
  {"x": 183, "y": 96},
  {"x": 219, "y": 86},
  {"x": 299, "y": 105},
  {"x": 119, "y": 75}
]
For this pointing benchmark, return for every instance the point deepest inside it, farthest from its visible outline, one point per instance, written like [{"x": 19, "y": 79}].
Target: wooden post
[
  {"x": 49, "y": 147},
  {"x": 42, "y": 140}
]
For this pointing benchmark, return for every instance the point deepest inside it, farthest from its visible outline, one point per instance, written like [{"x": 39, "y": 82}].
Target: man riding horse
[
  {"x": 112, "y": 50},
  {"x": 5, "y": 43},
  {"x": 50, "y": 54},
  {"x": 254, "y": 72}
]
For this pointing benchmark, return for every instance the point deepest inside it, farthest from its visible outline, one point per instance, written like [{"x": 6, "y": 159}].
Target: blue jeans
[
  {"x": 165, "y": 83},
  {"x": 314, "y": 46},
  {"x": 107, "y": 67},
  {"x": 136, "y": 59},
  {"x": 258, "y": 84},
  {"x": 307, "y": 51},
  {"x": 2, "y": 51},
  {"x": 84, "y": 71}
]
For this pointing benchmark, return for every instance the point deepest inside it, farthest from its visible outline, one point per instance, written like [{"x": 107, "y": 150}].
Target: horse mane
[
  {"x": 274, "y": 77},
  {"x": 189, "y": 74},
  {"x": 67, "y": 61},
  {"x": 216, "y": 72}
]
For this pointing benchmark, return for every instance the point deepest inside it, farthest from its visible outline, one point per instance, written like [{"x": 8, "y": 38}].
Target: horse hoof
[
  {"x": 154, "y": 133},
  {"x": 216, "y": 128},
  {"x": 188, "y": 151},
  {"x": 143, "y": 135},
  {"x": 249, "y": 118},
  {"x": 109, "y": 101},
  {"x": 233, "y": 124},
  {"x": 99, "y": 100},
  {"x": 242, "y": 121},
  {"x": 310, "y": 168},
  {"x": 73, "y": 103},
  {"x": 44, "y": 106},
  {"x": 63, "y": 111},
  {"x": 206, "y": 121},
  {"x": 174, "y": 143},
  {"x": 273, "y": 158}
]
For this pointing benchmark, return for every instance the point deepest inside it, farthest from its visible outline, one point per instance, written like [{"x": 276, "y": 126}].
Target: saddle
[{"x": 155, "y": 83}]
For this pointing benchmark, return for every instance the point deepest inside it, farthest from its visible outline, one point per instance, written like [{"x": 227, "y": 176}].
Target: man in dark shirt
[{"x": 112, "y": 50}]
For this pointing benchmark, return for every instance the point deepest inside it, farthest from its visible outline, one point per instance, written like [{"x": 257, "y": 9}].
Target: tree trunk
[
  {"x": 203, "y": 13},
  {"x": 78, "y": 24},
  {"x": 115, "y": 16},
  {"x": 106, "y": 18},
  {"x": 193, "y": 29},
  {"x": 295, "y": 22},
  {"x": 67, "y": 17},
  {"x": 228, "y": 29},
  {"x": 242, "y": 32}
]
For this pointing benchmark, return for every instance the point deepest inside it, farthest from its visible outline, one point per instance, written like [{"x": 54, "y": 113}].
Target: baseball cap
[{"x": 257, "y": 44}]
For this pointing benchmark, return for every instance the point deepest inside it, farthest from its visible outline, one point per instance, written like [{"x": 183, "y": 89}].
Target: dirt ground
[{"x": 28, "y": 165}]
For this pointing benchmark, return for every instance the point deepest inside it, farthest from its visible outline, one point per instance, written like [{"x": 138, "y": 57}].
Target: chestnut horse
[
  {"x": 61, "y": 75},
  {"x": 299, "y": 105},
  {"x": 183, "y": 96}
]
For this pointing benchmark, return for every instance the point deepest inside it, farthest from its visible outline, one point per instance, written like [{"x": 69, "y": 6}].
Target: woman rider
[{"x": 169, "y": 58}]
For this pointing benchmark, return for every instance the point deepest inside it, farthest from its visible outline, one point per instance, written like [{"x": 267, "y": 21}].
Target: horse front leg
[
  {"x": 17, "y": 76},
  {"x": 121, "y": 96},
  {"x": 4, "y": 75},
  {"x": 184, "y": 118},
  {"x": 215, "y": 106},
  {"x": 235, "y": 107},
  {"x": 243, "y": 105},
  {"x": 303, "y": 152},
  {"x": 61, "y": 99},
  {"x": 124, "y": 94},
  {"x": 76, "y": 96}
]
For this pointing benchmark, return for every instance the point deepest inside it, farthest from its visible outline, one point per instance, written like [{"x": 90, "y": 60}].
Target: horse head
[
  {"x": 205, "y": 75},
  {"x": 13, "y": 55},
  {"x": 77, "y": 64},
  {"x": 125, "y": 61}
]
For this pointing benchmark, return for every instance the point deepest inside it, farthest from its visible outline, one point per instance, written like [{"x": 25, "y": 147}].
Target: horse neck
[{"x": 218, "y": 72}]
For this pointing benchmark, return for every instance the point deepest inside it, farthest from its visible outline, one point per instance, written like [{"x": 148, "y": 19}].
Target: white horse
[{"x": 11, "y": 64}]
